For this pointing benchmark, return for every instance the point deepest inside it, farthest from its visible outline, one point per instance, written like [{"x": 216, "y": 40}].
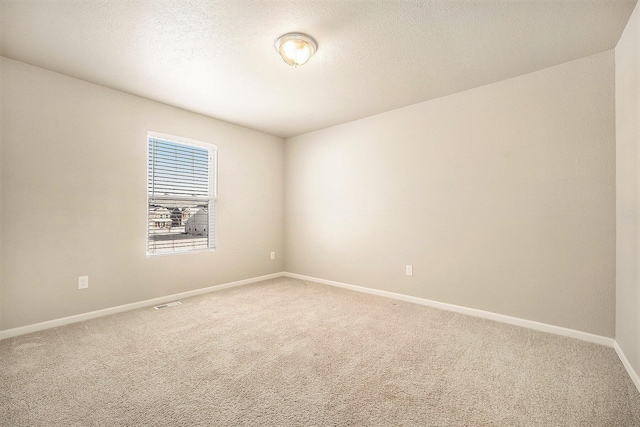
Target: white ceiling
[{"x": 218, "y": 58}]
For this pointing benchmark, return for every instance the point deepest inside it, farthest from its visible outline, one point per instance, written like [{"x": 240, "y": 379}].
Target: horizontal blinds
[
  {"x": 177, "y": 169},
  {"x": 181, "y": 191}
]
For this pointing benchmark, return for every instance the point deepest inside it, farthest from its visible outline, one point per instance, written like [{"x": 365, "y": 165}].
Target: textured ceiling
[{"x": 217, "y": 57}]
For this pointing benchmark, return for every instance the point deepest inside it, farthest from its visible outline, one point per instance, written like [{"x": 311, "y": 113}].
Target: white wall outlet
[
  {"x": 409, "y": 270},
  {"x": 273, "y": 255},
  {"x": 83, "y": 282}
]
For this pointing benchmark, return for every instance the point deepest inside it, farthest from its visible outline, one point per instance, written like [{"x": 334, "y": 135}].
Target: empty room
[{"x": 319, "y": 213}]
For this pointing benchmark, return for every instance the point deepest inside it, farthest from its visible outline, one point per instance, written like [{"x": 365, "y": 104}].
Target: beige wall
[
  {"x": 627, "y": 60},
  {"x": 501, "y": 197},
  {"x": 73, "y": 194}
]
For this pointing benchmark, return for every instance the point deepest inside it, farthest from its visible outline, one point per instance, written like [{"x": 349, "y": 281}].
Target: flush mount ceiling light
[{"x": 296, "y": 48}]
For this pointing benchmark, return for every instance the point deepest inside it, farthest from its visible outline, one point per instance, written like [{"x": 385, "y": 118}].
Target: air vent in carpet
[{"x": 167, "y": 305}]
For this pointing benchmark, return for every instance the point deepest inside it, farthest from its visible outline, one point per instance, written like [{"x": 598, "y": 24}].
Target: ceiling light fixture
[{"x": 296, "y": 48}]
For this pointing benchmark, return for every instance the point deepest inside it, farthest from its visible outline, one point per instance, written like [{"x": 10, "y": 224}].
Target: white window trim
[{"x": 213, "y": 185}]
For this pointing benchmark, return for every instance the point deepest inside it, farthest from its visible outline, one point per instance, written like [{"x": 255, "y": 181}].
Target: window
[{"x": 181, "y": 194}]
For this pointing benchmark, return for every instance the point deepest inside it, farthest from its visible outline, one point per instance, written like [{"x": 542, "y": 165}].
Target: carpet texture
[{"x": 287, "y": 352}]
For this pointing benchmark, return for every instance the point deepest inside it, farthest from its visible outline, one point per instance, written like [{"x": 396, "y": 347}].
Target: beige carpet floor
[{"x": 287, "y": 352}]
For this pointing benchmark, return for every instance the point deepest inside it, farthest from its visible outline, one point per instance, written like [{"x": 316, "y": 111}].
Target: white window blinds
[{"x": 181, "y": 195}]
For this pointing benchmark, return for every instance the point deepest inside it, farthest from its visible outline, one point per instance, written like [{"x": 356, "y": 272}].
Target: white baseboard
[
  {"x": 558, "y": 330},
  {"x": 126, "y": 307},
  {"x": 632, "y": 373},
  {"x": 584, "y": 336}
]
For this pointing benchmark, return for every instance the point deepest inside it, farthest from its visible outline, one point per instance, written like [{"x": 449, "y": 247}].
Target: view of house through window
[{"x": 181, "y": 191}]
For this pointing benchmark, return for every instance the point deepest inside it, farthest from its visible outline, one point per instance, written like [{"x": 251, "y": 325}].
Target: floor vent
[{"x": 167, "y": 305}]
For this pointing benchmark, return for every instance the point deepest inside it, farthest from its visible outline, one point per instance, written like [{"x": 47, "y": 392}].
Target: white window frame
[{"x": 212, "y": 198}]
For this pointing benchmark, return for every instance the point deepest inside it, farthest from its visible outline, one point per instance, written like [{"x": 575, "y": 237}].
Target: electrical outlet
[
  {"x": 409, "y": 270},
  {"x": 83, "y": 282},
  {"x": 273, "y": 255}
]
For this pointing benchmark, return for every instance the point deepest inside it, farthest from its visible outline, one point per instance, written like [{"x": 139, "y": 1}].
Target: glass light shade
[{"x": 296, "y": 48}]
